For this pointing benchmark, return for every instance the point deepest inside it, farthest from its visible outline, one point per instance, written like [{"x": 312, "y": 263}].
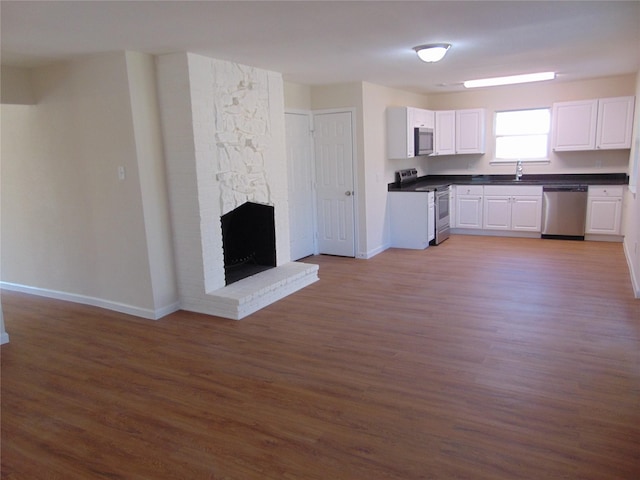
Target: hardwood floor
[{"x": 481, "y": 358}]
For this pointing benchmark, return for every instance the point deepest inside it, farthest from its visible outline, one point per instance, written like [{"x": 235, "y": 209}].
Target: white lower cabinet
[
  {"x": 604, "y": 210},
  {"x": 513, "y": 208},
  {"x": 526, "y": 214},
  {"x": 468, "y": 206},
  {"x": 410, "y": 222}
]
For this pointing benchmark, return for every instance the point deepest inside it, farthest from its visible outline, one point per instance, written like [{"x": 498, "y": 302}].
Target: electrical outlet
[
  {"x": 121, "y": 173},
  {"x": 598, "y": 163}
]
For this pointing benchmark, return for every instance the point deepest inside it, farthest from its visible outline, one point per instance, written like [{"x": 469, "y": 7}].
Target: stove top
[{"x": 407, "y": 176}]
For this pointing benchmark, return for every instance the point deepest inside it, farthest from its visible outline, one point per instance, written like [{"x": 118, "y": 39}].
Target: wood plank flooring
[{"x": 482, "y": 358}]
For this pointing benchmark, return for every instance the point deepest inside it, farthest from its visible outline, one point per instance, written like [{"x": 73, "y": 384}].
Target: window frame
[{"x": 544, "y": 159}]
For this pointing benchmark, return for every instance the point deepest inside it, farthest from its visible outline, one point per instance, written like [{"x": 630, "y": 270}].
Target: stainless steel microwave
[{"x": 423, "y": 141}]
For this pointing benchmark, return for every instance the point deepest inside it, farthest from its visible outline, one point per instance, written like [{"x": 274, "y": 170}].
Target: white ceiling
[{"x": 326, "y": 42}]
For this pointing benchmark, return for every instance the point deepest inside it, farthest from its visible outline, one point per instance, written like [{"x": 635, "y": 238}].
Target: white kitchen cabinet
[
  {"x": 526, "y": 213},
  {"x": 410, "y": 222},
  {"x": 574, "y": 125},
  {"x": 401, "y": 122},
  {"x": 615, "y": 123},
  {"x": 459, "y": 132},
  {"x": 604, "y": 210},
  {"x": 513, "y": 208},
  {"x": 445, "y": 132},
  {"x": 423, "y": 118},
  {"x": 469, "y": 206},
  {"x": 604, "y": 123},
  {"x": 470, "y": 134},
  {"x": 497, "y": 212},
  {"x": 400, "y": 141}
]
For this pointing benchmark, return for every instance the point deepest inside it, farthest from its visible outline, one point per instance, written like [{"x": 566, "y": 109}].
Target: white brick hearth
[
  {"x": 253, "y": 293},
  {"x": 223, "y": 127}
]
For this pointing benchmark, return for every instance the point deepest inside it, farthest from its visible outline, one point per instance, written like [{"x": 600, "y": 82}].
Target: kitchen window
[{"x": 522, "y": 135}]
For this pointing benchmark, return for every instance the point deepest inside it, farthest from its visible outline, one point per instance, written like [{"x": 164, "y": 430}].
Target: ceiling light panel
[{"x": 510, "y": 80}]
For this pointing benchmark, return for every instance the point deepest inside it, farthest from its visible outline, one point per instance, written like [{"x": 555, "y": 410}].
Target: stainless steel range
[{"x": 443, "y": 224}]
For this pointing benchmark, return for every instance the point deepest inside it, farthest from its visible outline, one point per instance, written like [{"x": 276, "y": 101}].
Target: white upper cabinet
[
  {"x": 445, "y": 133},
  {"x": 604, "y": 123},
  {"x": 459, "y": 132},
  {"x": 401, "y": 122},
  {"x": 422, "y": 118},
  {"x": 400, "y": 141},
  {"x": 470, "y": 137},
  {"x": 615, "y": 122},
  {"x": 574, "y": 125}
]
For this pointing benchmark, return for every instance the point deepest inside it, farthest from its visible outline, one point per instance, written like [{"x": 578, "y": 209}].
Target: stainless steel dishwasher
[{"x": 564, "y": 212}]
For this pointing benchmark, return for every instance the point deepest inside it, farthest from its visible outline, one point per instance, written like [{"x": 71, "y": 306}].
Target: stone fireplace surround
[{"x": 223, "y": 128}]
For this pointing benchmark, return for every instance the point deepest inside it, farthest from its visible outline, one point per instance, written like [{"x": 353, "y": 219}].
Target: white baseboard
[
  {"x": 603, "y": 238},
  {"x": 494, "y": 233},
  {"x": 372, "y": 253},
  {"x": 94, "y": 301}
]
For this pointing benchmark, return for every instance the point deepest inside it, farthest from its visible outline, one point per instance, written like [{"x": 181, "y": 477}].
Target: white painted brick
[{"x": 195, "y": 93}]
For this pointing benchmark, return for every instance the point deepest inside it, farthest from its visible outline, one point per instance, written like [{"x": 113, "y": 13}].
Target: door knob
[{"x": 348, "y": 193}]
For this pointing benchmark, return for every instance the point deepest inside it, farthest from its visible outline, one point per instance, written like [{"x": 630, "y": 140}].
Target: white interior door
[
  {"x": 333, "y": 139},
  {"x": 300, "y": 179}
]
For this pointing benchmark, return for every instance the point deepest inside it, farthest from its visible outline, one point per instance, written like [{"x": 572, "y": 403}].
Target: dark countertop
[{"x": 434, "y": 182}]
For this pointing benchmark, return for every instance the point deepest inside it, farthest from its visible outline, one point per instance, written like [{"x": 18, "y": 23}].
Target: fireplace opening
[{"x": 248, "y": 241}]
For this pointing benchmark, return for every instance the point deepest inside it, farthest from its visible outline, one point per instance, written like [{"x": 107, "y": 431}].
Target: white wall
[
  {"x": 153, "y": 184},
  {"x": 373, "y": 171},
  {"x": 542, "y": 94},
  {"x": 349, "y": 96},
  {"x": 378, "y": 171},
  {"x": 15, "y": 86},
  {"x": 4, "y": 336},
  {"x": 631, "y": 220},
  {"x": 296, "y": 96},
  {"x": 70, "y": 227}
]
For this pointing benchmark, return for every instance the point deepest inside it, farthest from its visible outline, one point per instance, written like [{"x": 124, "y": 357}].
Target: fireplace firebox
[{"x": 248, "y": 241}]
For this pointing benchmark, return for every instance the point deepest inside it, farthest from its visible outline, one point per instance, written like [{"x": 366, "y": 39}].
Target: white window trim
[{"x": 506, "y": 161}]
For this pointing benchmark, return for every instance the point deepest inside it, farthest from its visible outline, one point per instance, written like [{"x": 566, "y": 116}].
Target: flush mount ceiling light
[
  {"x": 433, "y": 52},
  {"x": 492, "y": 82}
]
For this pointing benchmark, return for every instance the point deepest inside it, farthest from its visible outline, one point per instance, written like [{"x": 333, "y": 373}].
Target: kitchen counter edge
[{"x": 435, "y": 182}]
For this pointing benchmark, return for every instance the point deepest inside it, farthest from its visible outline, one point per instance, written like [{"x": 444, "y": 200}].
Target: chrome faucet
[{"x": 519, "y": 170}]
